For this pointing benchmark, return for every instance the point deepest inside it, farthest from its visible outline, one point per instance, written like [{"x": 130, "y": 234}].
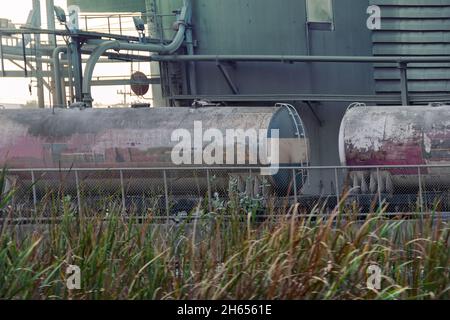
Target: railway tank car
[
  {"x": 137, "y": 138},
  {"x": 400, "y": 137}
]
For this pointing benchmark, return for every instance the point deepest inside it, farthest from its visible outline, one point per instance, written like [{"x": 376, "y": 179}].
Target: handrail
[{"x": 301, "y": 58}]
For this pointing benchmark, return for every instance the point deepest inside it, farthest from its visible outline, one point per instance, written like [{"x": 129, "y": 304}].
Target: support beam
[
  {"x": 37, "y": 40},
  {"x": 20, "y": 74},
  {"x": 15, "y": 73},
  {"x": 122, "y": 82},
  {"x": 313, "y": 111},
  {"x": 49, "y": 4},
  {"x": 228, "y": 79},
  {"x": 404, "y": 83}
]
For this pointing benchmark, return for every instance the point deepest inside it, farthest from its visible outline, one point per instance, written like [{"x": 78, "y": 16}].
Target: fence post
[
  {"x": 77, "y": 182},
  {"x": 166, "y": 193},
  {"x": 294, "y": 176},
  {"x": 209, "y": 190},
  {"x": 250, "y": 192},
  {"x": 122, "y": 187},
  {"x": 33, "y": 181},
  {"x": 420, "y": 189},
  {"x": 380, "y": 204},
  {"x": 336, "y": 181}
]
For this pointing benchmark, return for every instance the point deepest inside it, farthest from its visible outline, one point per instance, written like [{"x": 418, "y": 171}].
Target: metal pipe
[
  {"x": 118, "y": 45},
  {"x": 76, "y": 67},
  {"x": 288, "y": 59},
  {"x": 58, "y": 98},
  {"x": 37, "y": 39},
  {"x": 190, "y": 50},
  {"x": 56, "y": 61}
]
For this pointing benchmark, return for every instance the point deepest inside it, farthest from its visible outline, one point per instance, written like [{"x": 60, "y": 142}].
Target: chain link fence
[{"x": 178, "y": 191}]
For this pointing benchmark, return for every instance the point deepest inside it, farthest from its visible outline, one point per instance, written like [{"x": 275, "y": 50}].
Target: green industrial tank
[{"x": 109, "y": 5}]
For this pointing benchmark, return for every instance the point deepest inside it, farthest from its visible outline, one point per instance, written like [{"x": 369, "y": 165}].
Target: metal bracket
[
  {"x": 314, "y": 113},
  {"x": 227, "y": 77}
]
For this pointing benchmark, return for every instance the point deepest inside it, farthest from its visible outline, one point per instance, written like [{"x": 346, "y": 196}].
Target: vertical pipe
[
  {"x": 209, "y": 190},
  {"x": 120, "y": 24},
  {"x": 166, "y": 193},
  {"x": 77, "y": 181},
  {"x": 191, "y": 64},
  {"x": 76, "y": 65},
  {"x": 294, "y": 177},
  {"x": 109, "y": 25},
  {"x": 58, "y": 80},
  {"x": 49, "y": 6},
  {"x": 70, "y": 75},
  {"x": 403, "y": 66},
  {"x": 33, "y": 181},
  {"x": 37, "y": 39},
  {"x": 122, "y": 189}
]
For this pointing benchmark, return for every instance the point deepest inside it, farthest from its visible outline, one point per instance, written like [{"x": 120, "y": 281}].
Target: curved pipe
[
  {"x": 57, "y": 75},
  {"x": 118, "y": 45}
]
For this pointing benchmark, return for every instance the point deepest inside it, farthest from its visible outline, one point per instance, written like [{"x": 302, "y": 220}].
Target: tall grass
[{"x": 225, "y": 255}]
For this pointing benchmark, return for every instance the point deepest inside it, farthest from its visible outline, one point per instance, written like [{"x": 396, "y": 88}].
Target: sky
[{"x": 16, "y": 90}]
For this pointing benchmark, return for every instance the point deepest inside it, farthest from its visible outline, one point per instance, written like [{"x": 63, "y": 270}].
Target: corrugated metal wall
[{"x": 413, "y": 28}]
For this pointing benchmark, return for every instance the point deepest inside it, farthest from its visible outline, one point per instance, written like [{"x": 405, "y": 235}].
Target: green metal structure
[{"x": 109, "y": 5}]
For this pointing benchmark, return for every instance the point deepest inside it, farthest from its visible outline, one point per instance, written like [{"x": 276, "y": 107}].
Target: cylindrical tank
[
  {"x": 396, "y": 136},
  {"x": 139, "y": 138}
]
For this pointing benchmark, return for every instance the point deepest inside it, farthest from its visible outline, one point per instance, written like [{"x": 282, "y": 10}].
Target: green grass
[
  {"x": 290, "y": 257},
  {"x": 226, "y": 254}
]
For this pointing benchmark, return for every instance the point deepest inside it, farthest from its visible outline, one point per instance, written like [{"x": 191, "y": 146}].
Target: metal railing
[{"x": 174, "y": 190}]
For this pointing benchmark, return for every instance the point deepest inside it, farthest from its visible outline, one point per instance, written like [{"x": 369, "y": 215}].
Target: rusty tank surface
[
  {"x": 137, "y": 138},
  {"x": 396, "y": 136}
]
